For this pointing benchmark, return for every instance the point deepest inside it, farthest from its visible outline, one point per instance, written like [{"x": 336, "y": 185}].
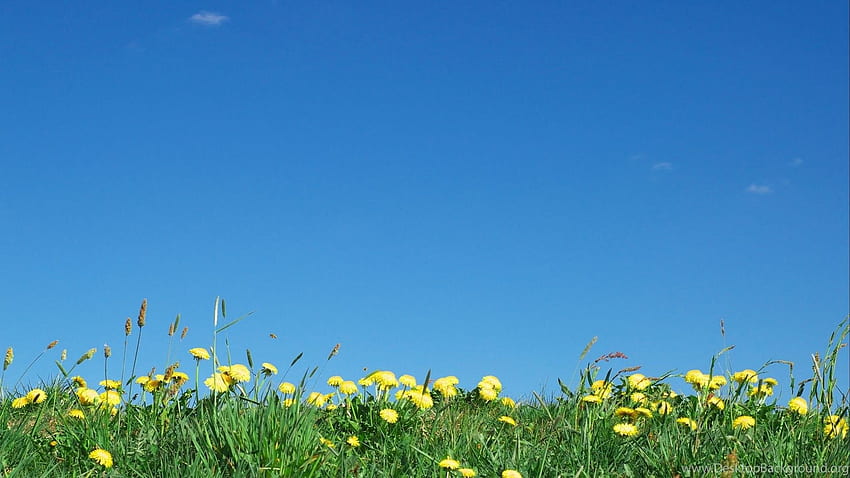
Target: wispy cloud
[
  {"x": 208, "y": 18},
  {"x": 759, "y": 189},
  {"x": 796, "y": 162},
  {"x": 662, "y": 166}
]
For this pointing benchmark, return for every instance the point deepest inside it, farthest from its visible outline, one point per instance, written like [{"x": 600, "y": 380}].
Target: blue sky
[{"x": 473, "y": 188}]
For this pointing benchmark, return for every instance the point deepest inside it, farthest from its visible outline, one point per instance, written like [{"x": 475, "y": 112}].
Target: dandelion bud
[
  {"x": 128, "y": 326},
  {"x": 107, "y": 351},
  {"x": 52, "y": 344},
  {"x": 183, "y": 334},
  {"x": 10, "y": 355},
  {"x": 143, "y": 310},
  {"x": 86, "y": 356}
]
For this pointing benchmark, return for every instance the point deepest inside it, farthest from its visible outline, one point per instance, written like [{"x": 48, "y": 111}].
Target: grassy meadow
[{"x": 206, "y": 413}]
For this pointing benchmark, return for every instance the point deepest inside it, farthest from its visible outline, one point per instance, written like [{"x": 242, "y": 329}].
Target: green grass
[{"x": 253, "y": 429}]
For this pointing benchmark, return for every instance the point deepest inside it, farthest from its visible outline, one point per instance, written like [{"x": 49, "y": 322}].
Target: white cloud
[
  {"x": 662, "y": 166},
  {"x": 759, "y": 189},
  {"x": 208, "y": 18}
]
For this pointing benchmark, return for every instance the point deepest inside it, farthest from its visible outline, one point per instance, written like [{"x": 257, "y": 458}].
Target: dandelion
[
  {"x": 799, "y": 405},
  {"x": 79, "y": 381},
  {"x": 748, "y": 376},
  {"x": 353, "y": 441},
  {"x": 20, "y": 402},
  {"x": 219, "y": 382},
  {"x": 288, "y": 402},
  {"x": 687, "y": 422},
  {"x": 316, "y": 399},
  {"x": 102, "y": 457},
  {"x": 466, "y": 472},
  {"x": 179, "y": 378},
  {"x": 152, "y": 386},
  {"x": 385, "y": 379},
  {"x": 331, "y": 407},
  {"x": 335, "y": 381},
  {"x": 638, "y": 397},
  {"x": 268, "y": 369},
  {"x": 237, "y": 372},
  {"x": 419, "y": 397},
  {"x": 644, "y": 412},
  {"x": 348, "y": 387},
  {"x": 488, "y": 394},
  {"x": 407, "y": 380},
  {"x": 446, "y": 386},
  {"x": 110, "y": 384},
  {"x": 506, "y": 419},
  {"x": 744, "y": 422},
  {"x": 511, "y": 474},
  {"x": 508, "y": 402},
  {"x": 111, "y": 397},
  {"x": 286, "y": 388},
  {"x": 601, "y": 388},
  {"x": 716, "y": 402},
  {"x": 200, "y": 353},
  {"x": 591, "y": 399},
  {"x": 625, "y": 429},
  {"x": 87, "y": 396},
  {"x": 664, "y": 408},
  {"x": 76, "y": 413},
  {"x": 449, "y": 464},
  {"x": 760, "y": 391},
  {"x": 389, "y": 415},
  {"x": 625, "y": 412},
  {"x": 36, "y": 395},
  {"x": 492, "y": 382},
  {"x": 326, "y": 442},
  {"x": 639, "y": 381},
  {"x": 835, "y": 426}
]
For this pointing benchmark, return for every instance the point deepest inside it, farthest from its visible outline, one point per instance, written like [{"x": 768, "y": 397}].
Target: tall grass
[{"x": 242, "y": 420}]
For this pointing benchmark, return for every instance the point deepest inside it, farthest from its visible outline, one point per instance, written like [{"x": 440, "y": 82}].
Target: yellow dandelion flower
[
  {"x": 79, "y": 381},
  {"x": 335, "y": 381},
  {"x": 268, "y": 369},
  {"x": 326, "y": 442},
  {"x": 87, "y": 396},
  {"x": 762, "y": 390},
  {"x": 625, "y": 429},
  {"x": 331, "y": 407},
  {"x": 152, "y": 385},
  {"x": 348, "y": 387},
  {"x": 747, "y": 375},
  {"x": 687, "y": 422},
  {"x": 716, "y": 402},
  {"x": 367, "y": 381},
  {"x": 353, "y": 441},
  {"x": 466, "y": 472},
  {"x": 287, "y": 388},
  {"x": 835, "y": 426},
  {"x": 36, "y": 395},
  {"x": 143, "y": 380},
  {"x": 179, "y": 378},
  {"x": 389, "y": 415},
  {"x": 386, "y": 379},
  {"x": 102, "y": 457},
  {"x": 664, "y": 408},
  {"x": 20, "y": 402},
  {"x": 508, "y": 402},
  {"x": 449, "y": 464},
  {"x": 238, "y": 372},
  {"x": 506, "y": 419},
  {"x": 421, "y": 399},
  {"x": 511, "y": 474},
  {"x": 219, "y": 382},
  {"x": 639, "y": 381},
  {"x": 716, "y": 382},
  {"x": 638, "y": 397},
  {"x": 643, "y": 412},
  {"x": 317, "y": 399},
  {"x": 799, "y": 405},
  {"x": 591, "y": 399},
  {"x": 446, "y": 386},
  {"x": 697, "y": 379},
  {"x": 744, "y": 422},
  {"x": 407, "y": 380},
  {"x": 110, "y": 384},
  {"x": 601, "y": 388},
  {"x": 625, "y": 412},
  {"x": 288, "y": 402},
  {"x": 76, "y": 413},
  {"x": 770, "y": 381},
  {"x": 490, "y": 381},
  {"x": 200, "y": 353},
  {"x": 111, "y": 397}
]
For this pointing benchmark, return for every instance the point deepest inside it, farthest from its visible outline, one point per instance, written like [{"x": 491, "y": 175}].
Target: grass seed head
[
  {"x": 10, "y": 356},
  {"x": 143, "y": 310},
  {"x": 128, "y": 326}
]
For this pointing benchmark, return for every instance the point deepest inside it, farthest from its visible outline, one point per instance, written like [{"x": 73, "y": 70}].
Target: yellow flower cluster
[
  {"x": 449, "y": 463},
  {"x": 701, "y": 381}
]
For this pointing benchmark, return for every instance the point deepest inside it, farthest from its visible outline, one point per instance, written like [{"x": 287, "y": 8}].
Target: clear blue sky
[{"x": 469, "y": 187}]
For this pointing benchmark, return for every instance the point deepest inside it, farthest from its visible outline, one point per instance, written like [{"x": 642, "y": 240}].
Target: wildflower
[
  {"x": 834, "y": 426},
  {"x": 335, "y": 381},
  {"x": 407, "y": 380},
  {"x": 799, "y": 405},
  {"x": 591, "y": 399},
  {"x": 20, "y": 402},
  {"x": 111, "y": 397},
  {"x": 506, "y": 419},
  {"x": 353, "y": 441},
  {"x": 419, "y": 397},
  {"x": 449, "y": 464},
  {"x": 492, "y": 382},
  {"x": 716, "y": 402},
  {"x": 110, "y": 384},
  {"x": 219, "y": 382},
  {"x": 385, "y": 379},
  {"x": 237, "y": 372},
  {"x": 76, "y": 413},
  {"x": 326, "y": 442},
  {"x": 762, "y": 390},
  {"x": 348, "y": 387},
  {"x": 446, "y": 386},
  {"x": 744, "y": 422},
  {"x": 367, "y": 380},
  {"x": 687, "y": 422},
  {"x": 639, "y": 381},
  {"x": 286, "y": 388},
  {"x": 152, "y": 386},
  {"x": 638, "y": 397},
  {"x": 268, "y": 369},
  {"x": 87, "y": 396},
  {"x": 179, "y": 378},
  {"x": 625, "y": 412},
  {"x": 143, "y": 380},
  {"x": 36, "y": 395},
  {"x": 466, "y": 472},
  {"x": 696, "y": 378},
  {"x": 511, "y": 474},
  {"x": 748, "y": 375},
  {"x": 664, "y": 408},
  {"x": 200, "y": 353},
  {"x": 102, "y": 457},
  {"x": 644, "y": 412},
  {"x": 508, "y": 402},
  {"x": 601, "y": 388},
  {"x": 316, "y": 399},
  {"x": 331, "y": 407},
  {"x": 389, "y": 415},
  {"x": 79, "y": 381},
  {"x": 488, "y": 394},
  {"x": 625, "y": 429},
  {"x": 288, "y": 402}
]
